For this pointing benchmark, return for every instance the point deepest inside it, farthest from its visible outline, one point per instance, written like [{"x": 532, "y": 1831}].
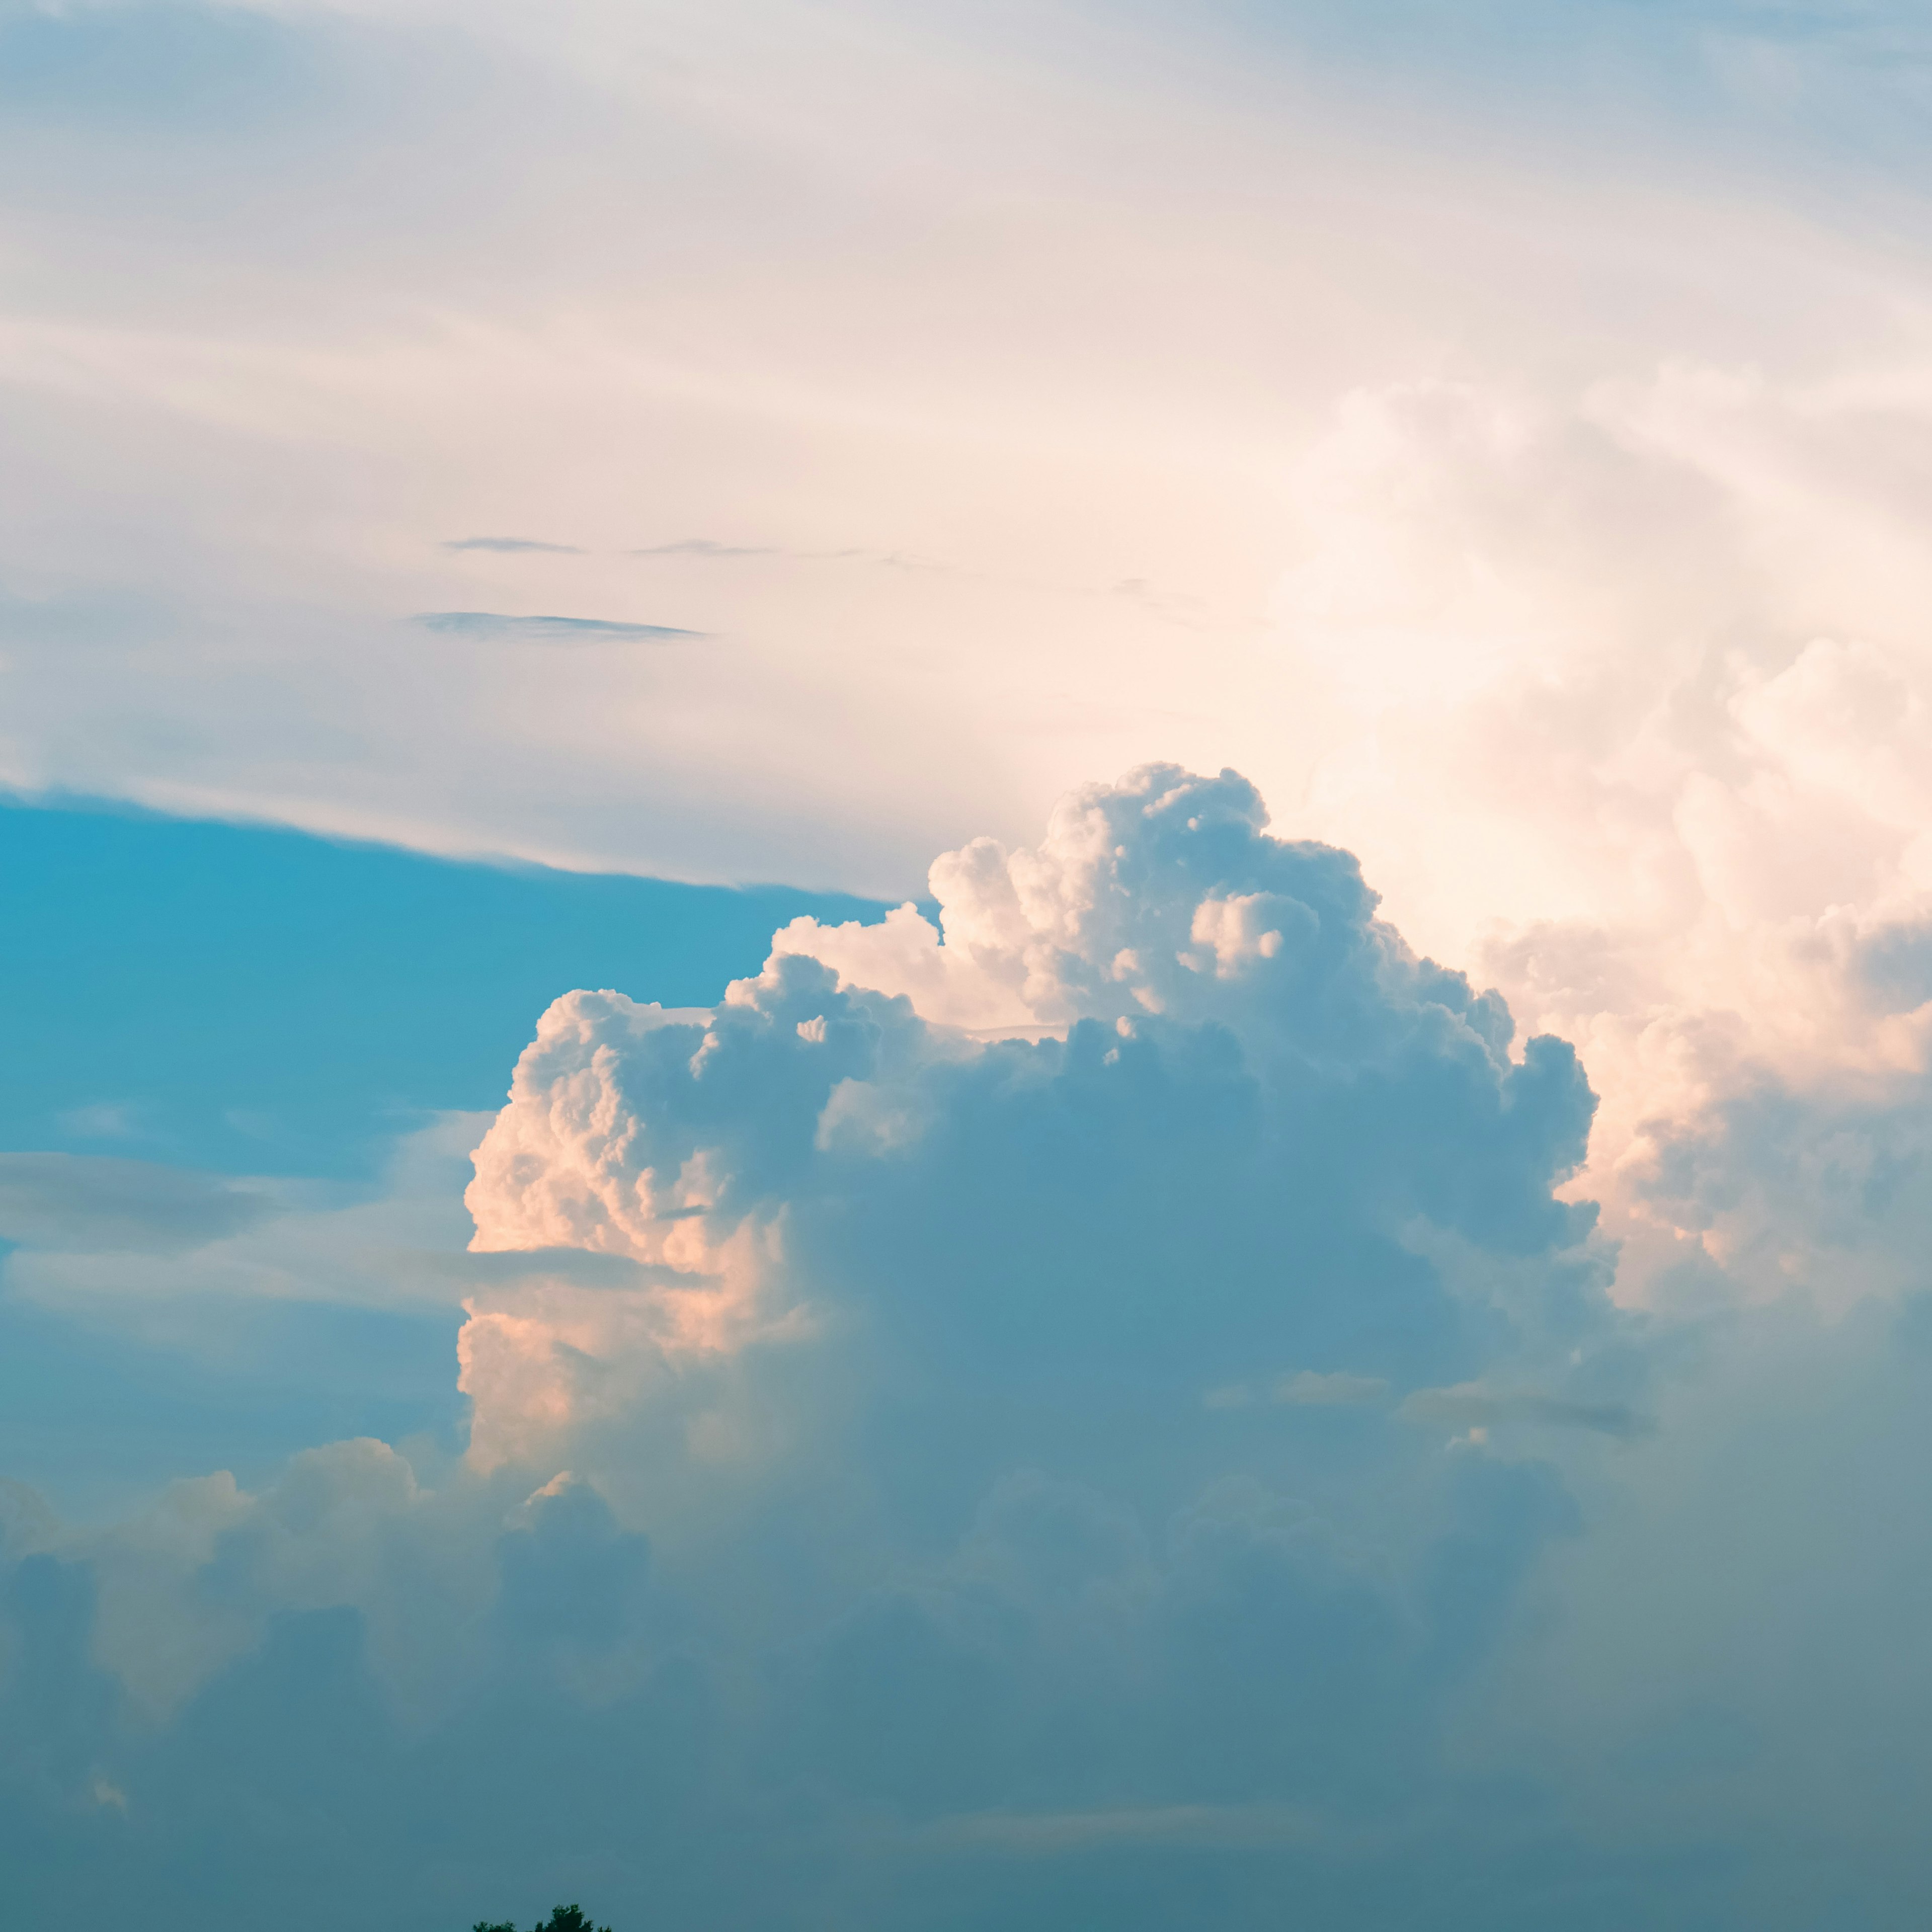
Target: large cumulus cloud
[
  {"x": 1166, "y": 1108},
  {"x": 1092, "y": 1411},
  {"x": 1069, "y": 1394}
]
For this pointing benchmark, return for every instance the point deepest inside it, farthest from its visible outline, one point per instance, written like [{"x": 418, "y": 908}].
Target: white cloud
[
  {"x": 1106, "y": 283},
  {"x": 726, "y": 1149},
  {"x": 1594, "y": 633},
  {"x": 841, "y": 1476},
  {"x": 1548, "y": 535}
]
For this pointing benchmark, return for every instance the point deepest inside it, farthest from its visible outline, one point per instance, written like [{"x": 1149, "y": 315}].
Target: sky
[{"x": 965, "y": 965}]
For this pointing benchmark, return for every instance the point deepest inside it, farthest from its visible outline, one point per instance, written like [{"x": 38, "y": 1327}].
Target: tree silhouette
[{"x": 563, "y": 1919}]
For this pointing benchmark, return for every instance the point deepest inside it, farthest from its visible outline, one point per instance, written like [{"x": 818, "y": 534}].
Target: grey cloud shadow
[
  {"x": 506, "y": 546},
  {"x": 1895, "y": 964},
  {"x": 94, "y": 1205},
  {"x": 1472, "y": 1408},
  {"x": 543, "y": 629}
]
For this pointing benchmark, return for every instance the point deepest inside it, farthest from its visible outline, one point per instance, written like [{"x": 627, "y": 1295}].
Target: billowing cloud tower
[
  {"x": 1159, "y": 1113},
  {"x": 1097, "y": 1410}
]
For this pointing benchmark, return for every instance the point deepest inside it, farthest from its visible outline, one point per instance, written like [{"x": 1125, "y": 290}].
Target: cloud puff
[
  {"x": 1691, "y": 821},
  {"x": 1201, "y": 1033}
]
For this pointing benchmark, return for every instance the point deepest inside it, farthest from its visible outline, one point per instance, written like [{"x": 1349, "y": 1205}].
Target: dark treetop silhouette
[{"x": 563, "y": 1919}]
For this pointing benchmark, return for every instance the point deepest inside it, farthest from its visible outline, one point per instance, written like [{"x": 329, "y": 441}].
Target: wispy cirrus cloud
[
  {"x": 101, "y": 1121},
  {"x": 507, "y": 546},
  {"x": 705, "y": 547},
  {"x": 1309, "y": 1389},
  {"x": 1471, "y": 1406},
  {"x": 552, "y": 630},
  {"x": 60, "y": 1200}
]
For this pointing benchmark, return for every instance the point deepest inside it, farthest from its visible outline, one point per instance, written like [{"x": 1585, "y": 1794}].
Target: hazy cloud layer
[
  {"x": 1596, "y": 633},
  {"x": 58, "y": 1200}
]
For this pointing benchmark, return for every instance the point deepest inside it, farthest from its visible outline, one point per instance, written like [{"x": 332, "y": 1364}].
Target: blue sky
[
  {"x": 965, "y": 965},
  {"x": 319, "y": 996},
  {"x": 303, "y": 1003}
]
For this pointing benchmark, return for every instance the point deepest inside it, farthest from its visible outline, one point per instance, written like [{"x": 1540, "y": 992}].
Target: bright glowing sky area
[{"x": 966, "y": 968}]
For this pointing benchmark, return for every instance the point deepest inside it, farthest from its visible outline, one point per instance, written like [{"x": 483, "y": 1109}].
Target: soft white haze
[{"x": 1506, "y": 444}]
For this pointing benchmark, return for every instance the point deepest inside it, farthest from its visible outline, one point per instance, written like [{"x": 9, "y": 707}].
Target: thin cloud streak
[
  {"x": 540, "y": 629},
  {"x": 507, "y": 545},
  {"x": 704, "y": 546}
]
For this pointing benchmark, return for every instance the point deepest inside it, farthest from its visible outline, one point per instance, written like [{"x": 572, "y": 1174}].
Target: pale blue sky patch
[{"x": 209, "y": 1014}]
